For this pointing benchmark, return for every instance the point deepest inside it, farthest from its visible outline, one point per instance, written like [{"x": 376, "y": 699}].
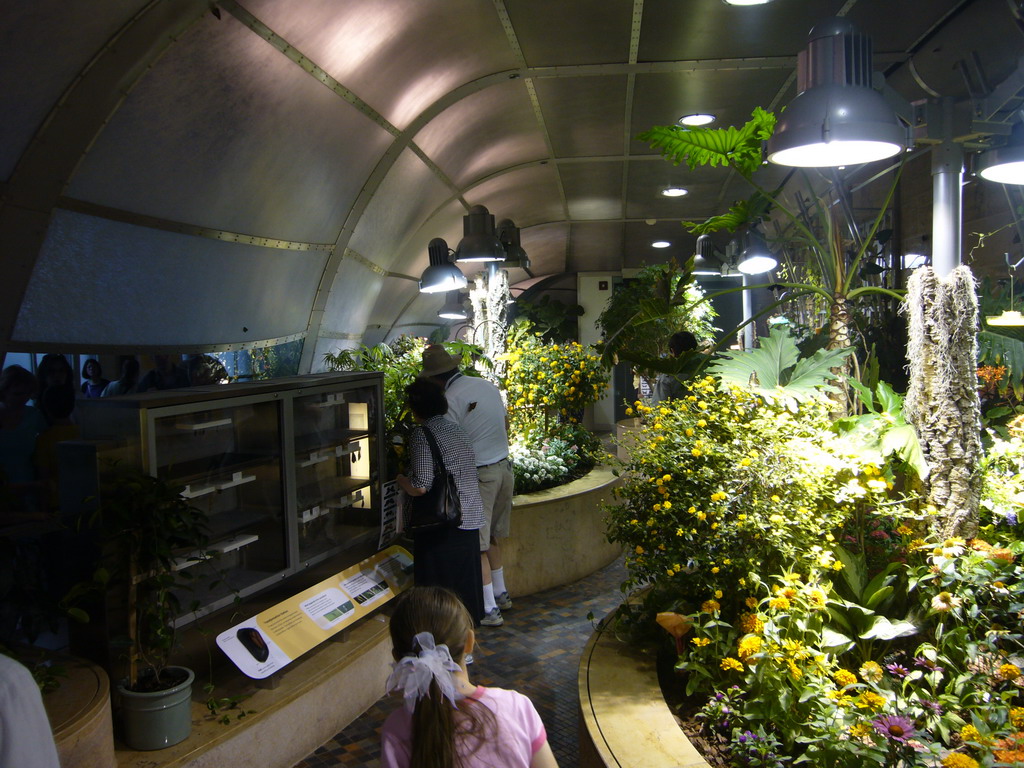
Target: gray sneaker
[
  {"x": 504, "y": 601},
  {"x": 492, "y": 618}
]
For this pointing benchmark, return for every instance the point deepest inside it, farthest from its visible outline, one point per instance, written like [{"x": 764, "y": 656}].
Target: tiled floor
[{"x": 536, "y": 652}]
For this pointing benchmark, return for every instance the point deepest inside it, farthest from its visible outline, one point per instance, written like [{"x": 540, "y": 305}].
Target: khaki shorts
[{"x": 496, "y": 492}]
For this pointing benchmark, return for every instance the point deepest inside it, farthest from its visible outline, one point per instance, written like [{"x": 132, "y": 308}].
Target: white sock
[
  {"x": 498, "y": 580},
  {"x": 489, "y": 604}
]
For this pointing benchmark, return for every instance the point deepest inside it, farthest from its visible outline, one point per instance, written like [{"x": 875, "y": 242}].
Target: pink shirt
[{"x": 520, "y": 733}]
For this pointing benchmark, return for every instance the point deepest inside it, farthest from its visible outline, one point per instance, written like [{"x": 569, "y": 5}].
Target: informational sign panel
[{"x": 271, "y": 640}]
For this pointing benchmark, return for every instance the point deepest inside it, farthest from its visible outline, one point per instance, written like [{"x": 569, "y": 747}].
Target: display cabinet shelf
[{"x": 288, "y": 472}]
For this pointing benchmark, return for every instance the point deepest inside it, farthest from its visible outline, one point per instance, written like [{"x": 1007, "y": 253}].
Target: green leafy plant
[
  {"x": 641, "y": 316},
  {"x": 815, "y": 231},
  {"x": 148, "y": 532},
  {"x": 776, "y": 371},
  {"x": 883, "y": 429}
]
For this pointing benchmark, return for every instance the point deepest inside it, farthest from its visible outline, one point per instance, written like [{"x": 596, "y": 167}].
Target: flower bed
[{"x": 813, "y": 616}]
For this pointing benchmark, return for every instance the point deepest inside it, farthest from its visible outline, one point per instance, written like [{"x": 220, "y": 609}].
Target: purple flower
[
  {"x": 934, "y": 706},
  {"x": 897, "y": 670},
  {"x": 894, "y": 727},
  {"x": 928, "y": 664}
]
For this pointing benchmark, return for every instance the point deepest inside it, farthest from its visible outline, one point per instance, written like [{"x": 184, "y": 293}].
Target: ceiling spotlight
[
  {"x": 837, "y": 117},
  {"x": 697, "y": 118},
  {"x": 508, "y": 235},
  {"x": 479, "y": 243},
  {"x": 755, "y": 258},
  {"x": 660, "y": 244},
  {"x": 674, "y": 192},
  {"x": 1005, "y": 164},
  {"x": 747, "y": 2},
  {"x": 453, "y": 308},
  {"x": 441, "y": 275}
]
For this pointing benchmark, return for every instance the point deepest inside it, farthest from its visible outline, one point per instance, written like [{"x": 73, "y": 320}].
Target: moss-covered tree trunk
[{"x": 942, "y": 400}]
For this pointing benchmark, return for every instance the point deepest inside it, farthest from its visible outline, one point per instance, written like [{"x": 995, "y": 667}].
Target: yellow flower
[
  {"x": 700, "y": 642},
  {"x": 701, "y": 423},
  {"x": 710, "y": 606},
  {"x": 718, "y": 594},
  {"x": 1017, "y": 718},
  {"x": 719, "y": 496},
  {"x": 776, "y": 499},
  {"x": 844, "y": 677},
  {"x": 959, "y": 760},
  {"x": 1009, "y": 671},
  {"x": 970, "y": 733},
  {"x": 744, "y": 462},
  {"x": 779, "y": 603},
  {"x": 870, "y": 700},
  {"x": 715, "y": 569},
  {"x": 751, "y": 602},
  {"x": 639, "y": 549},
  {"x": 748, "y": 646},
  {"x": 666, "y": 505},
  {"x": 695, "y": 451},
  {"x": 689, "y": 432},
  {"x": 702, "y": 405},
  {"x": 629, "y": 411},
  {"x": 731, "y": 664},
  {"x": 667, "y": 478},
  {"x": 870, "y": 671},
  {"x": 860, "y": 731}
]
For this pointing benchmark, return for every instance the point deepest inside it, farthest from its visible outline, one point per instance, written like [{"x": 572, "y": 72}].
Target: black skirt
[{"x": 450, "y": 558}]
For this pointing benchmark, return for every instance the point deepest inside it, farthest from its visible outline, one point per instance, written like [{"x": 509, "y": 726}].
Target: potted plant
[{"x": 149, "y": 535}]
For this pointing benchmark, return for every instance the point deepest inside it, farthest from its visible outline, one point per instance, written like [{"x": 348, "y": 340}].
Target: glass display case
[{"x": 287, "y": 470}]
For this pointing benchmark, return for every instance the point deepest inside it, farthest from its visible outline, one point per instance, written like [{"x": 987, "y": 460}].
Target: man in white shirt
[{"x": 475, "y": 404}]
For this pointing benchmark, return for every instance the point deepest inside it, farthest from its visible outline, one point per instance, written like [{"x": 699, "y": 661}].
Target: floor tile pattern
[{"x": 536, "y": 652}]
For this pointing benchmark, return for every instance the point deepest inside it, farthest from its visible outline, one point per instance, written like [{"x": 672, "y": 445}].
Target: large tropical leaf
[
  {"x": 775, "y": 369},
  {"x": 731, "y": 146},
  {"x": 742, "y": 212}
]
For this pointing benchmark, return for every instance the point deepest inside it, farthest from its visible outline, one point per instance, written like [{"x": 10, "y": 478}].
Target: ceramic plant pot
[{"x": 157, "y": 719}]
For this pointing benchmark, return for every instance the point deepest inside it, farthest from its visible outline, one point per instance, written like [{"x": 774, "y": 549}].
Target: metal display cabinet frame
[{"x": 315, "y": 442}]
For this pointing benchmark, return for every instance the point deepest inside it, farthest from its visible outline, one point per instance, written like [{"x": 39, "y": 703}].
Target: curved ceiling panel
[
  {"x": 400, "y": 56},
  {"x": 227, "y": 133},
  {"x": 546, "y": 245},
  {"x": 572, "y": 31},
  {"x": 494, "y": 128},
  {"x": 590, "y": 116},
  {"x": 356, "y": 289},
  {"x": 106, "y": 283},
  {"x": 595, "y": 247},
  {"x": 527, "y": 195},
  {"x": 408, "y": 196},
  {"x": 41, "y": 52},
  {"x": 594, "y": 190}
]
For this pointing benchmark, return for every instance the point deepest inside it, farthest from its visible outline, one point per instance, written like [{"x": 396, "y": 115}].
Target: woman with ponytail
[{"x": 447, "y": 721}]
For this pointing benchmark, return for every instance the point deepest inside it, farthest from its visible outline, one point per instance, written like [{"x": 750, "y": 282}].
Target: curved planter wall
[
  {"x": 624, "y": 721},
  {"x": 79, "y": 713},
  {"x": 558, "y": 535}
]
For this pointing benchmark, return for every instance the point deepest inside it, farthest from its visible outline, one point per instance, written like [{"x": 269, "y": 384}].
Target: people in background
[
  {"x": 475, "y": 404},
  {"x": 93, "y": 382},
  {"x": 667, "y": 386},
  {"x": 57, "y": 405},
  {"x": 445, "y": 557},
  {"x": 53, "y": 371},
  {"x": 166, "y": 375},
  {"x": 20, "y": 425},
  {"x": 448, "y": 721},
  {"x": 129, "y": 378}
]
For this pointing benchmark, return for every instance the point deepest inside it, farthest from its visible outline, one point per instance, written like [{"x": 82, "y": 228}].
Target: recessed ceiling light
[
  {"x": 747, "y": 2},
  {"x": 697, "y": 118},
  {"x": 661, "y": 244},
  {"x": 674, "y": 192}
]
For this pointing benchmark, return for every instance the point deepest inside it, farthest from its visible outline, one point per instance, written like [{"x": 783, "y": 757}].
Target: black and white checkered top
[{"x": 457, "y": 455}]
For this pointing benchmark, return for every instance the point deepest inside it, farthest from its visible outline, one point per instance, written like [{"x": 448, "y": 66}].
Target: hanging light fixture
[
  {"x": 453, "y": 308},
  {"x": 705, "y": 259},
  {"x": 837, "y": 118},
  {"x": 508, "y": 236},
  {"x": 479, "y": 243},
  {"x": 1008, "y": 317},
  {"x": 755, "y": 259},
  {"x": 1005, "y": 164},
  {"x": 441, "y": 275}
]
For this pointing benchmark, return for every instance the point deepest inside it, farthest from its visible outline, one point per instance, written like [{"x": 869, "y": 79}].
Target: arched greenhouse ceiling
[{"x": 189, "y": 175}]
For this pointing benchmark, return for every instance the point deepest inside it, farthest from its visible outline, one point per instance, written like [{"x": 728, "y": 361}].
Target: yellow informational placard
[{"x": 274, "y": 638}]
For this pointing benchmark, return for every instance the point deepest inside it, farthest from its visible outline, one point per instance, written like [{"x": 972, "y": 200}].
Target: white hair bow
[{"x": 412, "y": 674}]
